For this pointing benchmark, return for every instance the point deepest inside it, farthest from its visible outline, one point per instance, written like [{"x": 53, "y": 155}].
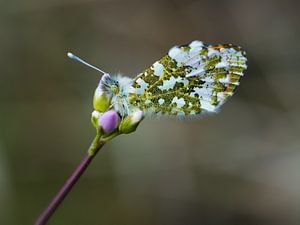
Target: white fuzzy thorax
[{"x": 119, "y": 99}]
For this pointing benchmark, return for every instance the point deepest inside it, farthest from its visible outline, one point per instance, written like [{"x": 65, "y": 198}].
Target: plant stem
[{"x": 72, "y": 180}]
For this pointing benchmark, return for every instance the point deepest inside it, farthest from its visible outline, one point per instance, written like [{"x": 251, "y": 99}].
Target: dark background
[{"x": 239, "y": 167}]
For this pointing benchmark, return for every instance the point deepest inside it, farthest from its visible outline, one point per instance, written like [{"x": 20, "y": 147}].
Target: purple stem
[{"x": 65, "y": 189}]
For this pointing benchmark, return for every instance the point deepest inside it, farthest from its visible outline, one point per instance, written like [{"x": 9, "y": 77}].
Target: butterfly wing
[{"x": 190, "y": 79}]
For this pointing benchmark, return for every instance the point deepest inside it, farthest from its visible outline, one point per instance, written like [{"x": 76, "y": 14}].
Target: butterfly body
[{"x": 190, "y": 80}]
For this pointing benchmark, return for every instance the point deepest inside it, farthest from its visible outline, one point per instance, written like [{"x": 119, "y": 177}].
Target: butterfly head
[
  {"x": 109, "y": 85},
  {"x": 116, "y": 88},
  {"x": 112, "y": 91}
]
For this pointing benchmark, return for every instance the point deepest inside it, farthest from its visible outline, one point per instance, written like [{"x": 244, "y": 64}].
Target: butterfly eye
[{"x": 114, "y": 89}]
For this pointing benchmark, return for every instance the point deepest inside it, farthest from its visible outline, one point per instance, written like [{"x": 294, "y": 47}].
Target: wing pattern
[{"x": 190, "y": 79}]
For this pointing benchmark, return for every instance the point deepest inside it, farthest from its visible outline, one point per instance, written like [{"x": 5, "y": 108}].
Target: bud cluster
[{"x": 108, "y": 122}]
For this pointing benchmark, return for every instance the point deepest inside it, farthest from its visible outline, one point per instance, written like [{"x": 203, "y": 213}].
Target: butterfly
[{"x": 191, "y": 79}]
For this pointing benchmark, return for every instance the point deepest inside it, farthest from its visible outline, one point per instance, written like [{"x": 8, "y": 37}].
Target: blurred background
[{"x": 239, "y": 167}]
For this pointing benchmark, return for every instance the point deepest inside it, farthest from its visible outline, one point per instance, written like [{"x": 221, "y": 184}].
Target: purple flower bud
[{"x": 108, "y": 121}]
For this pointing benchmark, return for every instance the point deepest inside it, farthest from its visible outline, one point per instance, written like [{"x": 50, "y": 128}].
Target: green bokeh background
[{"x": 239, "y": 167}]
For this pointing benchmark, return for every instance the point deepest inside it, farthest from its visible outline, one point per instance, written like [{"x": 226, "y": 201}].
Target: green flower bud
[
  {"x": 130, "y": 123},
  {"x": 95, "y": 119},
  {"x": 101, "y": 101}
]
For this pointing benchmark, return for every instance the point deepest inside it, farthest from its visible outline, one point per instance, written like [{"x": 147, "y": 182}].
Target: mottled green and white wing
[{"x": 190, "y": 79}]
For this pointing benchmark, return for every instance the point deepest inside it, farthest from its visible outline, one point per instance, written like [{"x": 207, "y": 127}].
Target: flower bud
[
  {"x": 108, "y": 121},
  {"x": 101, "y": 101},
  {"x": 130, "y": 123},
  {"x": 95, "y": 118}
]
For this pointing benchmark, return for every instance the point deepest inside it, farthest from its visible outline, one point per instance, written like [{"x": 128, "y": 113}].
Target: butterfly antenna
[{"x": 76, "y": 58}]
